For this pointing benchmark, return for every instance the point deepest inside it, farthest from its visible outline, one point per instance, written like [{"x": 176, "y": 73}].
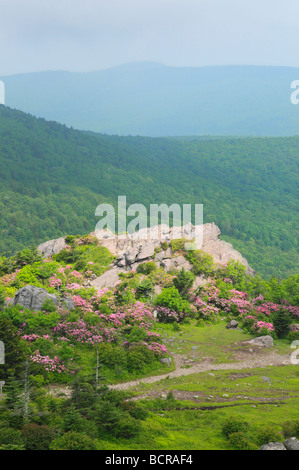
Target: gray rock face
[
  {"x": 232, "y": 325},
  {"x": 146, "y": 251},
  {"x": 263, "y": 341},
  {"x": 166, "y": 254},
  {"x": 273, "y": 446},
  {"x": 291, "y": 444},
  {"x": 136, "y": 255},
  {"x": 51, "y": 247},
  {"x": 177, "y": 262},
  {"x": 107, "y": 280},
  {"x": 33, "y": 297}
]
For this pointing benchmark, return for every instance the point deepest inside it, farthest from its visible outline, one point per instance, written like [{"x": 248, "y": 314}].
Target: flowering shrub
[
  {"x": 80, "y": 332},
  {"x": 171, "y": 299},
  {"x": 50, "y": 365},
  {"x": 166, "y": 315},
  {"x": 262, "y": 326},
  {"x": 55, "y": 282},
  {"x": 206, "y": 311},
  {"x": 157, "y": 348},
  {"x": 267, "y": 308}
]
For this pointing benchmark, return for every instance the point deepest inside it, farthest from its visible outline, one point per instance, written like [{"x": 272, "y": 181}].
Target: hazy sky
[{"x": 83, "y": 35}]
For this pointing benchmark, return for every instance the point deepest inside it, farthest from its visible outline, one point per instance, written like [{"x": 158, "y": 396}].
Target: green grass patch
[{"x": 210, "y": 341}]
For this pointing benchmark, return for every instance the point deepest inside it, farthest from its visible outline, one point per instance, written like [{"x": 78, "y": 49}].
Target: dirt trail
[{"x": 259, "y": 360}]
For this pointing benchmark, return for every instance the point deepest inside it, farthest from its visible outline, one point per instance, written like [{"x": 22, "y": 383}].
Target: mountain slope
[
  {"x": 53, "y": 178},
  {"x": 155, "y": 100}
]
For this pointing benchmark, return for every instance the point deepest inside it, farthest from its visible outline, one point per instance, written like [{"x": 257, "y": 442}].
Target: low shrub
[
  {"x": 147, "y": 268},
  {"x": 37, "y": 437},
  {"x": 73, "y": 441},
  {"x": 10, "y": 436},
  {"x": 127, "y": 427},
  {"x": 267, "y": 434},
  {"x": 240, "y": 441},
  {"x": 234, "y": 425},
  {"x": 291, "y": 428}
]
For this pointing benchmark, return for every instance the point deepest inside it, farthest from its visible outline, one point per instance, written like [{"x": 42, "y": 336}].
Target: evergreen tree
[
  {"x": 282, "y": 321},
  {"x": 183, "y": 282},
  {"x": 15, "y": 349}
]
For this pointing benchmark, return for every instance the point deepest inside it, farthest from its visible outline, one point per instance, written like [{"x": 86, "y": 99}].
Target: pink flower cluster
[
  {"x": 50, "y": 365},
  {"x": 76, "y": 274},
  {"x": 157, "y": 348},
  {"x": 55, "y": 282},
  {"x": 262, "y": 324},
  {"x": 295, "y": 327},
  {"x": 267, "y": 308},
  {"x": 73, "y": 286},
  {"x": 34, "y": 337},
  {"x": 80, "y": 332},
  {"x": 83, "y": 304},
  {"x": 8, "y": 278},
  {"x": 205, "y": 310},
  {"x": 165, "y": 314}
]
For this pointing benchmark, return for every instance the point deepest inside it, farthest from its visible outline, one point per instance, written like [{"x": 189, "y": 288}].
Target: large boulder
[
  {"x": 52, "y": 247},
  {"x": 233, "y": 324},
  {"x": 291, "y": 444},
  {"x": 273, "y": 446},
  {"x": 33, "y": 297},
  {"x": 263, "y": 341}
]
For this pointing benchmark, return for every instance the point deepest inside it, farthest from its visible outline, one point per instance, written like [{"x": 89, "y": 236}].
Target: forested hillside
[{"x": 53, "y": 177}]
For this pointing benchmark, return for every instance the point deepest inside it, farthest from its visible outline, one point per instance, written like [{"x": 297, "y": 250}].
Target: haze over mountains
[{"x": 155, "y": 100}]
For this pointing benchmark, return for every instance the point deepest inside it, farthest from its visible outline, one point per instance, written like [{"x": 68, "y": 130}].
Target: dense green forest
[{"x": 53, "y": 177}]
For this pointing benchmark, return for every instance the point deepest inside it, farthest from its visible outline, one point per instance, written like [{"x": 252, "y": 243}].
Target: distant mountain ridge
[{"x": 154, "y": 100}]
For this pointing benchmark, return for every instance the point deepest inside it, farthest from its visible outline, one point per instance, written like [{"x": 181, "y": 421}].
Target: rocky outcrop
[
  {"x": 139, "y": 246},
  {"x": 33, "y": 297},
  {"x": 51, "y": 247},
  {"x": 148, "y": 245},
  {"x": 165, "y": 361},
  {"x": 131, "y": 249},
  {"x": 221, "y": 251}
]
